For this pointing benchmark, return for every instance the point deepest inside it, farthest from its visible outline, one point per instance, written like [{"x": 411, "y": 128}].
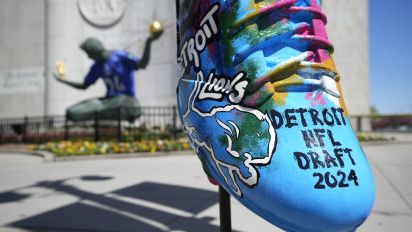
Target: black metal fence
[{"x": 153, "y": 123}]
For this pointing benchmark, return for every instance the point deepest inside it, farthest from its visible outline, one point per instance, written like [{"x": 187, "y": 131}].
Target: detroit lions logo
[{"x": 247, "y": 139}]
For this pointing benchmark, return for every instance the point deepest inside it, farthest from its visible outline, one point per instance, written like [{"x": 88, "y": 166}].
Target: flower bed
[
  {"x": 70, "y": 148},
  {"x": 74, "y": 148},
  {"x": 372, "y": 137}
]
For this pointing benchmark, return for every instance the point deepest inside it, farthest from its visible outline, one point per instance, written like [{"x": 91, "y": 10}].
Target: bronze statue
[{"x": 116, "y": 67}]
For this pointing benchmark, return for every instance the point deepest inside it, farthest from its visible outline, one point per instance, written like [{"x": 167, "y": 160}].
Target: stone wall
[{"x": 22, "y": 58}]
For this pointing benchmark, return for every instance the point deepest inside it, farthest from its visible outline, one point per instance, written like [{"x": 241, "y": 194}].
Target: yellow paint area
[
  {"x": 280, "y": 98},
  {"x": 328, "y": 64},
  {"x": 293, "y": 80},
  {"x": 341, "y": 101},
  {"x": 254, "y": 12},
  {"x": 280, "y": 95}
]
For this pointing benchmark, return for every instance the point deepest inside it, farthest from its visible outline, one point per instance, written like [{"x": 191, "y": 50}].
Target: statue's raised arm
[{"x": 156, "y": 30}]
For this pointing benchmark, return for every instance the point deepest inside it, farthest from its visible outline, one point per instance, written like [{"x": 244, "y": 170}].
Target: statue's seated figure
[{"x": 116, "y": 68}]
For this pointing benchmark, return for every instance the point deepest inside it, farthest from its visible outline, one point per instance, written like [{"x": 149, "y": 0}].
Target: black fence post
[
  {"x": 43, "y": 122},
  {"x": 174, "y": 123},
  {"x": 66, "y": 128},
  {"x": 96, "y": 127},
  {"x": 119, "y": 125},
  {"x": 359, "y": 123},
  {"x": 24, "y": 129}
]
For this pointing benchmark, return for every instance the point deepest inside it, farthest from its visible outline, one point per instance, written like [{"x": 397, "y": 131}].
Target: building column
[{"x": 64, "y": 32}]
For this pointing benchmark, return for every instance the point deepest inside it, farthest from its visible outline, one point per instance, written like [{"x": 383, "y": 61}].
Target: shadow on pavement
[
  {"x": 11, "y": 196},
  {"x": 146, "y": 206}
]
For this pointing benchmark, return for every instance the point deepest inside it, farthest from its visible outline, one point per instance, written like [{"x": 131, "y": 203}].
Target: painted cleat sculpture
[{"x": 260, "y": 100}]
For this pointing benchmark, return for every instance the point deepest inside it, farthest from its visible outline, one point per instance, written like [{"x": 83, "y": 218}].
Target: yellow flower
[
  {"x": 153, "y": 149},
  {"x": 185, "y": 145}
]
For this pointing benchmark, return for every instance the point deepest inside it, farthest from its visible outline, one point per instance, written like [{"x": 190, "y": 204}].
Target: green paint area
[
  {"x": 226, "y": 20},
  {"x": 253, "y": 134},
  {"x": 250, "y": 67},
  {"x": 223, "y": 140},
  {"x": 252, "y": 34}
]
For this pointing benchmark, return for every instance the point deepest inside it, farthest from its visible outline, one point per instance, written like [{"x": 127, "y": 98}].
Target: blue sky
[{"x": 390, "y": 55}]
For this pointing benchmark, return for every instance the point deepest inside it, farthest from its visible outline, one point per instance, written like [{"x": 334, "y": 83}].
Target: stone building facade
[{"x": 35, "y": 34}]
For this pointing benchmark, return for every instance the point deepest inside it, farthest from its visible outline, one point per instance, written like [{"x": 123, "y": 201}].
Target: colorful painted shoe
[{"x": 260, "y": 100}]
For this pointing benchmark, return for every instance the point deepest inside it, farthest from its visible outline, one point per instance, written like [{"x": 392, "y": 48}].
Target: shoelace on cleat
[{"x": 315, "y": 39}]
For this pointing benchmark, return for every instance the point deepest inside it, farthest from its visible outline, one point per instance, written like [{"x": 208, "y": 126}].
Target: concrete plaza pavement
[{"x": 167, "y": 193}]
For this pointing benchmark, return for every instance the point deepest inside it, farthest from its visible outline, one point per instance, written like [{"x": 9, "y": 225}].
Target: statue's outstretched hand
[
  {"x": 57, "y": 77},
  {"x": 156, "y": 35}
]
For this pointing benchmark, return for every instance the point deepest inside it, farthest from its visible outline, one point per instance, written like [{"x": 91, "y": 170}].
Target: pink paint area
[
  {"x": 211, "y": 49},
  {"x": 252, "y": 99},
  {"x": 315, "y": 34},
  {"x": 315, "y": 98},
  {"x": 303, "y": 29},
  {"x": 202, "y": 6},
  {"x": 213, "y": 181},
  {"x": 319, "y": 30}
]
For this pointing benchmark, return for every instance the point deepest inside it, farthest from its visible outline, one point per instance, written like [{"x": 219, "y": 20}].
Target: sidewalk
[{"x": 167, "y": 193}]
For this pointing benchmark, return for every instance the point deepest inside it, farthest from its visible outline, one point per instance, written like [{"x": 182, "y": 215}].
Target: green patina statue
[{"x": 116, "y": 68}]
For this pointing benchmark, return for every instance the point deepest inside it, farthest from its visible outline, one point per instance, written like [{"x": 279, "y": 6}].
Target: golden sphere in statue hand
[
  {"x": 156, "y": 27},
  {"x": 61, "y": 70}
]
